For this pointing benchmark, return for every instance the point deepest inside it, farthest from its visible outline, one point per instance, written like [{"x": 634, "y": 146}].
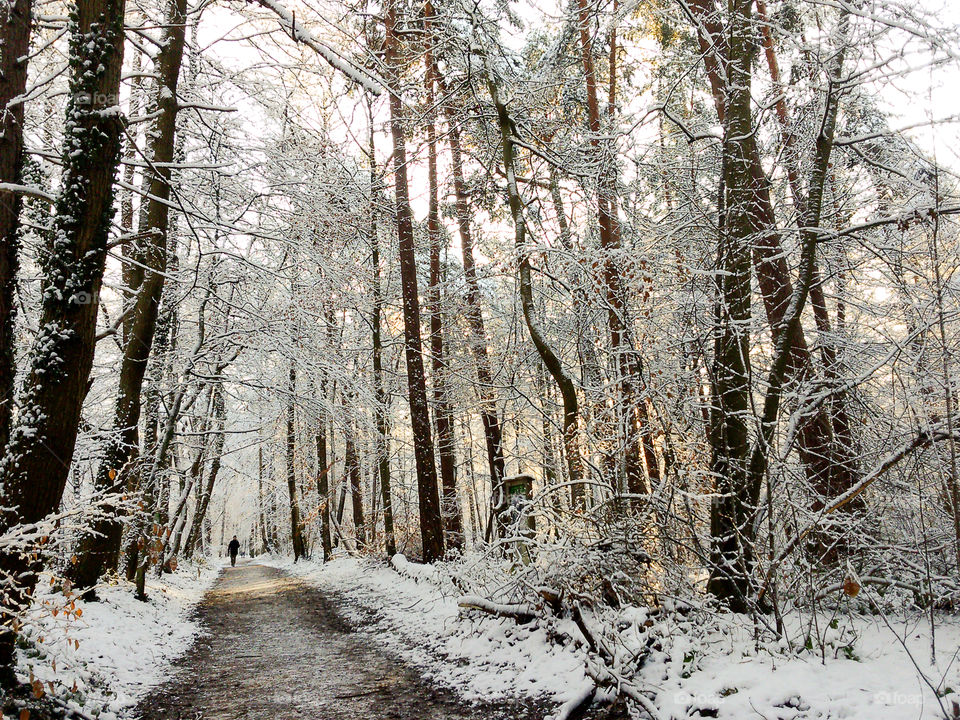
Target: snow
[
  {"x": 114, "y": 650},
  {"x": 364, "y": 78},
  {"x": 480, "y": 657},
  {"x": 857, "y": 666},
  {"x": 864, "y": 673},
  {"x": 857, "y": 669}
]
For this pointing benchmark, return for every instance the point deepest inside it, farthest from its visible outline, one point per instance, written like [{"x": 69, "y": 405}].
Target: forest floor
[
  {"x": 358, "y": 637},
  {"x": 277, "y": 647}
]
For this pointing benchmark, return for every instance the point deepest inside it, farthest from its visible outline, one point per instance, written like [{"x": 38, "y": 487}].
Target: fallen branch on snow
[
  {"x": 521, "y": 613},
  {"x": 414, "y": 571}
]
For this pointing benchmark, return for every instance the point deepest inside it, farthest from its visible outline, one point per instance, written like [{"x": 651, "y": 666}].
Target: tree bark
[
  {"x": 431, "y": 523},
  {"x": 129, "y": 269},
  {"x": 154, "y": 484},
  {"x": 844, "y": 443},
  {"x": 100, "y": 551},
  {"x": 215, "y": 454},
  {"x": 826, "y": 472},
  {"x": 571, "y": 437},
  {"x": 323, "y": 485},
  {"x": 15, "y": 38},
  {"x": 731, "y": 513},
  {"x": 296, "y": 526},
  {"x": 41, "y": 443},
  {"x": 381, "y": 416},
  {"x": 352, "y": 472},
  {"x": 740, "y": 477},
  {"x": 450, "y": 503},
  {"x": 641, "y": 468},
  {"x": 194, "y": 477},
  {"x": 264, "y": 538},
  {"x": 492, "y": 431}
]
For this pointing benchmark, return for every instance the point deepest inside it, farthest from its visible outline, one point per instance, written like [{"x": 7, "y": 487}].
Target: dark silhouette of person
[{"x": 234, "y": 548}]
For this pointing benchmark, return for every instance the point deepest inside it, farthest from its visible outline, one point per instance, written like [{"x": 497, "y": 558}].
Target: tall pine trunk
[
  {"x": 827, "y": 468},
  {"x": 15, "y": 38},
  {"x": 492, "y": 431},
  {"x": 381, "y": 418},
  {"x": 431, "y": 523},
  {"x": 353, "y": 475},
  {"x": 640, "y": 466},
  {"x": 264, "y": 537},
  {"x": 452, "y": 518},
  {"x": 323, "y": 483},
  {"x": 731, "y": 514},
  {"x": 296, "y": 526}
]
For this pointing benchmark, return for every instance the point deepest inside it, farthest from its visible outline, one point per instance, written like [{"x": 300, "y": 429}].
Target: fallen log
[{"x": 522, "y": 613}]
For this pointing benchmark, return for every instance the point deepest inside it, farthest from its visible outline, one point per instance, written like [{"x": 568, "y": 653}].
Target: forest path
[{"x": 276, "y": 648}]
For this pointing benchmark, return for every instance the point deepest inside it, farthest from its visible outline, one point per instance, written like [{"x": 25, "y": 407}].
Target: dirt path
[{"x": 276, "y": 648}]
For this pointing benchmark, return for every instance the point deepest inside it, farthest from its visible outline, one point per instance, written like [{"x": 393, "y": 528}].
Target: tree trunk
[
  {"x": 15, "y": 38},
  {"x": 296, "y": 528},
  {"x": 740, "y": 482},
  {"x": 844, "y": 444},
  {"x": 571, "y": 436},
  {"x": 381, "y": 416},
  {"x": 731, "y": 527},
  {"x": 827, "y": 473},
  {"x": 640, "y": 466},
  {"x": 493, "y": 433},
  {"x": 452, "y": 518},
  {"x": 353, "y": 476},
  {"x": 591, "y": 377},
  {"x": 194, "y": 477},
  {"x": 153, "y": 483},
  {"x": 101, "y": 549},
  {"x": 216, "y": 453},
  {"x": 323, "y": 483},
  {"x": 264, "y": 538},
  {"x": 431, "y": 523},
  {"x": 41, "y": 443},
  {"x": 129, "y": 269}
]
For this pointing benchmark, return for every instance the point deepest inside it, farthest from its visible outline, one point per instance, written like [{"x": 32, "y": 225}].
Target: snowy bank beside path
[
  {"x": 101, "y": 657},
  {"x": 484, "y": 658},
  {"x": 858, "y": 668}
]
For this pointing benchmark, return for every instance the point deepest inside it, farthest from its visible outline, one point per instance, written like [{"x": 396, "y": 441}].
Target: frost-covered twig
[
  {"x": 27, "y": 190},
  {"x": 922, "y": 440},
  {"x": 364, "y": 78}
]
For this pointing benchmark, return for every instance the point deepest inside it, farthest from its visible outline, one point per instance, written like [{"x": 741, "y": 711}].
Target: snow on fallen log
[
  {"x": 605, "y": 677},
  {"x": 414, "y": 571},
  {"x": 522, "y": 612},
  {"x": 576, "y": 706}
]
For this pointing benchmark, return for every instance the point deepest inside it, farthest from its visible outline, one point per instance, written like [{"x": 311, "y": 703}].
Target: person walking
[{"x": 234, "y": 548}]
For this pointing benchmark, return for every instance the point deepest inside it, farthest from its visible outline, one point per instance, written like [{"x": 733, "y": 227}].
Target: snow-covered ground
[
  {"x": 103, "y": 656},
  {"x": 479, "y": 657},
  {"x": 863, "y": 669}
]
